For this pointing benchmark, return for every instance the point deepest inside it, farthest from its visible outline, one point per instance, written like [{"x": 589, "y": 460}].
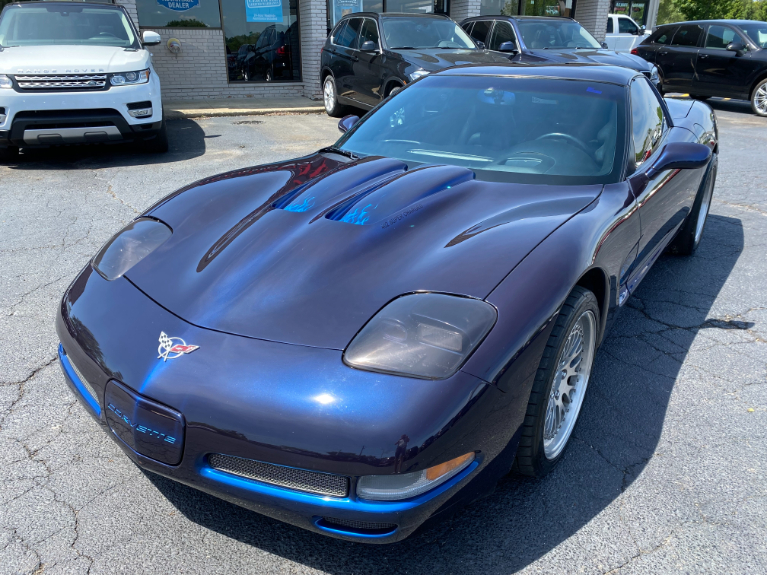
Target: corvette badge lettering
[{"x": 170, "y": 350}]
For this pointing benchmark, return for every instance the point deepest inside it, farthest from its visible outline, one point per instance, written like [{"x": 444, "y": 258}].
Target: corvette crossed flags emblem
[{"x": 170, "y": 350}]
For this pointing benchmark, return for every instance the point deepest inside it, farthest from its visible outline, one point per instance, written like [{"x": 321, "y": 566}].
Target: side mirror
[
  {"x": 508, "y": 47},
  {"x": 736, "y": 47},
  {"x": 347, "y": 123},
  {"x": 149, "y": 38},
  {"x": 604, "y": 45},
  {"x": 369, "y": 46},
  {"x": 680, "y": 156},
  {"x": 643, "y": 28},
  {"x": 480, "y": 45}
]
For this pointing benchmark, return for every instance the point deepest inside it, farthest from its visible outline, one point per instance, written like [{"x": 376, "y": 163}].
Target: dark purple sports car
[{"x": 372, "y": 335}]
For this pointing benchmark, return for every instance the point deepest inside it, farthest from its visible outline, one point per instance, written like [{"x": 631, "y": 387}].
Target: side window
[
  {"x": 719, "y": 36},
  {"x": 481, "y": 30},
  {"x": 348, "y": 36},
  {"x": 648, "y": 123},
  {"x": 369, "y": 32},
  {"x": 664, "y": 36},
  {"x": 687, "y": 36},
  {"x": 501, "y": 33},
  {"x": 335, "y": 35},
  {"x": 626, "y": 26},
  {"x": 467, "y": 27},
  {"x": 609, "y": 25}
]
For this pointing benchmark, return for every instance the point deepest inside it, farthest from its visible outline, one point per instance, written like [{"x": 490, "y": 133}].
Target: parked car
[
  {"x": 76, "y": 72},
  {"x": 359, "y": 339},
  {"x": 623, "y": 33},
  {"x": 370, "y": 56},
  {"x": 268, "y": 58},
  {"x": 536, "y": 39},
  {"x": 726, "y": 58}
]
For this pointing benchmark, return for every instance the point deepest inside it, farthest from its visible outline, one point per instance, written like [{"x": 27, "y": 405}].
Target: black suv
[
  {"x": 368, "y": 56},
  {"x": 726, "y": 58},
  {"x": 539, "y": 39}
]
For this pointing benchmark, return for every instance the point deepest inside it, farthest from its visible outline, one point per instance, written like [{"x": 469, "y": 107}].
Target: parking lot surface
[{"x": 666, "y": 473}]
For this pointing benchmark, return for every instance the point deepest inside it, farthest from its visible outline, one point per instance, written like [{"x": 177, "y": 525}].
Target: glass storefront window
[
  {"x": 262, "y": 40},
  {"x": 496, "y": 7},
  {"x": 337, "y": 9},
  {"x": 636, "y": 10},
  {"x": 178, "y": 13},
  {"x": 410, "y": 6},
  {"x": 527, "y": 7}
]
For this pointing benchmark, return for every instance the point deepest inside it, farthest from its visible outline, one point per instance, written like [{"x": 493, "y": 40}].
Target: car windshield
[
  {"x": 757, "y": 33},
  {"x": 555, "y": 34},
  {"x": 535, "y": 130},
  {"x": 65, "y": 24},
  {"x": 420, "y": 33}
]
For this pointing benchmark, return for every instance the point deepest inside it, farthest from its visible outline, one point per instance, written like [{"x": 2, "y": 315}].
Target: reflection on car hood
[
  {"x": 307, "y": 251},
  {"x": 63, "y": 59},
  {"x": 569, "y": 56},
  {"x": 436, "y": 58}
]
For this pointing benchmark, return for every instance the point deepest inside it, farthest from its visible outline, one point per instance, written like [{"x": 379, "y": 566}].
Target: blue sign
[
  {"x": 179, "y": 5},
  {"x": 263, "y": 10},
  {"x": 343, "y": 7}
]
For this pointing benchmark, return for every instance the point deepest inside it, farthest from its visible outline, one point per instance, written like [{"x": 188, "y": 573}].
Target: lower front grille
[
  {"x": 359, "y": 525},
  {"x": 84, "y": 381},
  {"x": 288, "y": 477},
  {"x": 62, "y": 82}
]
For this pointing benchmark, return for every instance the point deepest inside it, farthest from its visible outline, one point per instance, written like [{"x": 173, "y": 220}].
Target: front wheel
[
  {"x": 560, "y": 385},
  {"x": 759, "y": 99},
  {"x": 688, "y": 238},
  {"x": 329, "y": 95}
]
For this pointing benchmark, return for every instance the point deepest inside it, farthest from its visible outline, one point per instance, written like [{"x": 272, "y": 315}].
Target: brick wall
[
  {"x": 592, "y": 14},
  {"x": 312, "y": 17},
  {"x": 461, "y": 9}
]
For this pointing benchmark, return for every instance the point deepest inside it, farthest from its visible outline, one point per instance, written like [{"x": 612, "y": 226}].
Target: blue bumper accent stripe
[
  {"x": 318, "y": 523},
  {"x": 328, "y": 503},
  {"x": 75, "y": 382}
]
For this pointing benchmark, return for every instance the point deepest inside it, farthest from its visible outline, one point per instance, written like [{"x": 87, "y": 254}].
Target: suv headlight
[
  {"x": 129, "y": 246},
  {"x": 407, "y": 485},
  {"x": 5, "y": 81},
  {"x": 125, "y": 78},
  {"x": 417, "y": 74},
  {"x": 654, "y": 76},
  {"x": 426, "y": 335}
]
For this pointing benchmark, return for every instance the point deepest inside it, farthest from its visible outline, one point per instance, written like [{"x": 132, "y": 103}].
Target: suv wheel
[
  {"x": 332, "y": 107},
  {"x": 759, "y": 99}
]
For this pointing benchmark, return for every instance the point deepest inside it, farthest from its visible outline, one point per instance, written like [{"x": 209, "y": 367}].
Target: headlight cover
[
  {"x": 129, "y": 246},
  {"x": 5, "y": 82},
  {"x": 417, "y": 74},
  {"x": 130, "y": 78},
  {"x": 424, "y": 335},
  {"x": 654, "y": 76},
  {"x": 406, "y": 485}
]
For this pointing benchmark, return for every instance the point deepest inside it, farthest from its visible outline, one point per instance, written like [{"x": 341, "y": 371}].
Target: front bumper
[
  {"x": 50, "y": 118},
  {"x": 256, "y": 399}
]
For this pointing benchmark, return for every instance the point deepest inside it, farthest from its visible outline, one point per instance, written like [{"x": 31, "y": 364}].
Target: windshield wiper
[
  {"x": 339, "y": 151},
  {"x": 404, "y": 48}
]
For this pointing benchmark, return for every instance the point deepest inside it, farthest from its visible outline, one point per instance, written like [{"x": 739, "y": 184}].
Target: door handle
[
  {"x": 662, "y": 53},
  {"x": 701, "y": 56}
]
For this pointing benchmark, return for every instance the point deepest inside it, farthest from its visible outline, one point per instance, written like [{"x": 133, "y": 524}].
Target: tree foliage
[{"x": 681, "y": 10}]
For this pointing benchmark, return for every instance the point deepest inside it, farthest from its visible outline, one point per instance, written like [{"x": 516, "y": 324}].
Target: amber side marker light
[{"x": 434, "y": 473}]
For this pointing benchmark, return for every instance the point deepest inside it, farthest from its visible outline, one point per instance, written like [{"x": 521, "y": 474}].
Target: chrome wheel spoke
[{"x": 569, "y": 385}]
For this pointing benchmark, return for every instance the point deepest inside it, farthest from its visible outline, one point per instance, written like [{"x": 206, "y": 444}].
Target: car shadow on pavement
[
  {"x": 186, "y": 138},
  {"x": 523, "y": 519}
]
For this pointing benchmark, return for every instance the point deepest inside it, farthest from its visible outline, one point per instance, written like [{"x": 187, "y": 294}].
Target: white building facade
[{"x": 271, "y": 48}]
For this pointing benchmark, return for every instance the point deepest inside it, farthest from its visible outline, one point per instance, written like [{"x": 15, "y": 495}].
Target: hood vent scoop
[{"x": 385, "y": 198}]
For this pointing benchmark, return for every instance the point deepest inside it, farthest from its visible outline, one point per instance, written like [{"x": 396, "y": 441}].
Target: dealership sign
[{"x": 179, "y": 5}]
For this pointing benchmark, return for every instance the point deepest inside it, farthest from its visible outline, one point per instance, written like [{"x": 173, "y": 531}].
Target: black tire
[
  {"x": 330, "y": 97},
  {"x": 9, "y": 154},
  {"x": 699, "y": 97},
  {"x": 531, "y": 458},
  {"x": 158, "y": 144},
  {"x": 688, "y": 238},
  {"x": 759, "y": 99}
]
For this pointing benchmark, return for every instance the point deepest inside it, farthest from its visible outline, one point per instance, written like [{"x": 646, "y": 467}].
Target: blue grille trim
[{"x": 91, "y": 402}]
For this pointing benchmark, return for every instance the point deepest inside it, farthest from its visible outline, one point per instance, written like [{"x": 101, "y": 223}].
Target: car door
[
  {"x": 628, "y": 32},
  {"x": 665, "y": 200},
  {"x": 723, "y": 72},
  {"x": 366, "y": 80},
  {"x": 503, "y": 32},
  {"x": 344, "y": 49},
  {"x": 677, "y": 61}
]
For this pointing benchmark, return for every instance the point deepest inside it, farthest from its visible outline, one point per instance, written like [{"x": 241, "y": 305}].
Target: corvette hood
[
  {"x": 60, "y": 59},
  {"x": 306, "y": 252},
  {"x": 437, "y": 58},
  {"x": 593, "y": 57}
]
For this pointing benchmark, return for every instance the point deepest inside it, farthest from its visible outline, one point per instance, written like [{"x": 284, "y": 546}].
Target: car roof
[
  {"x": 504, "y": 17},
  {"x": 585, "y": 72},
  {"x": 394, "y": 15},
  {"x": 99, "y": 3},
  {"x": 731, "y": 22}
]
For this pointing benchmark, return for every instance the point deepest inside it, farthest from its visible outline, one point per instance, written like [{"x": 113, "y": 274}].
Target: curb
[{"x": 223, "y": 112}]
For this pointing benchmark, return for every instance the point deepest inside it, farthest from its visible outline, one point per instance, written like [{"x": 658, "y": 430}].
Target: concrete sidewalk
[{"x": 175, "y": 109}]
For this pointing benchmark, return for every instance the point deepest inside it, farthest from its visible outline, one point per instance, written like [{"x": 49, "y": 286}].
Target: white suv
[
  {"x": 623, "y": 33},
  {"x": 76, "y": 72}
]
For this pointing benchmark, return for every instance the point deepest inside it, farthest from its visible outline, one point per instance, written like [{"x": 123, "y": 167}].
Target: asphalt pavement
[{"x": 666, "y": 472}]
